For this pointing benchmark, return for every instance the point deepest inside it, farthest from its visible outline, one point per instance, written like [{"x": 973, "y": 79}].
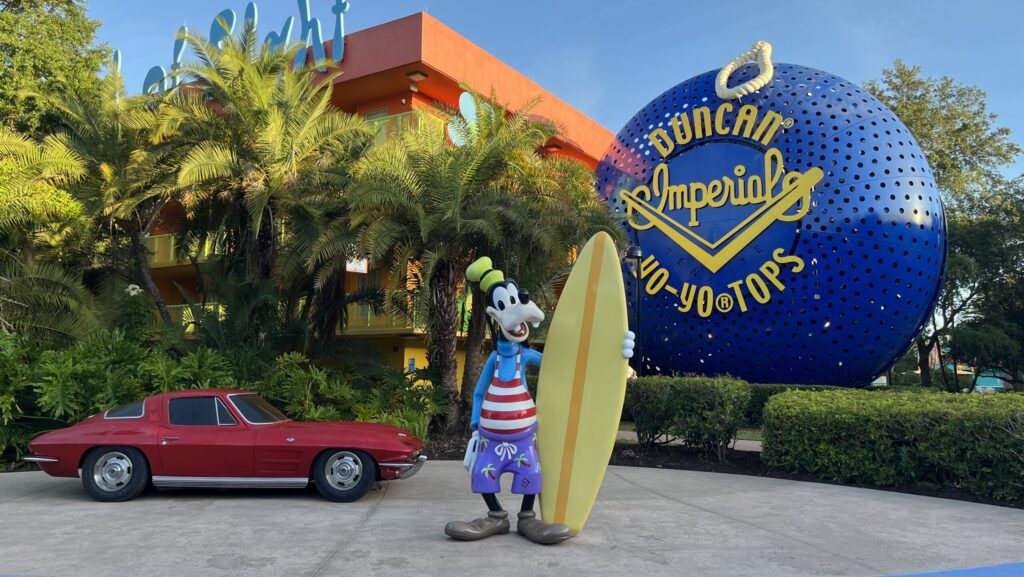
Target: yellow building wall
[
  {"x": 396, "y": 351},
  {"x": 417, "y": 350}
]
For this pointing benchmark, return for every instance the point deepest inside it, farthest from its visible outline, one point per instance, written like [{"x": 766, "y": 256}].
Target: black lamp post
[{"x": 635, "y": 253}]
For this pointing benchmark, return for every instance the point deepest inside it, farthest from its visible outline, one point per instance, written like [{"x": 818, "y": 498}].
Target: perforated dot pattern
[{"x": 873, "y": 240}]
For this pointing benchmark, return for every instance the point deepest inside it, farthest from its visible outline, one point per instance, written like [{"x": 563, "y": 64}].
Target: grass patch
[{"x": 748, "y": 435}]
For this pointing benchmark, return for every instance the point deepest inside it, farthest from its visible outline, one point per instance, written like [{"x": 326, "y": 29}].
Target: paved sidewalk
[{"x": 647, "y": 522}]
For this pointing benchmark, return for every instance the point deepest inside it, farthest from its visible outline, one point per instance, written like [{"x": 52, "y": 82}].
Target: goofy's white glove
[
  {"x": 628, "y": 344},
  {"x": 471, "y": 451}
]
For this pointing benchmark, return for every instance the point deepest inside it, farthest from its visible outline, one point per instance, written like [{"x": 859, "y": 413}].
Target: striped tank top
[{"x": 508, "y": 407}]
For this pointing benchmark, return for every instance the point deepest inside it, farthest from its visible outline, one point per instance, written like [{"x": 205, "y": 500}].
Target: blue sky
[{"x": 610, "y": 58}]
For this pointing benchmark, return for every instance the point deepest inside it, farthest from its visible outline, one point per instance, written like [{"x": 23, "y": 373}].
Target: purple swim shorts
[{"x": 500, "y": 454}]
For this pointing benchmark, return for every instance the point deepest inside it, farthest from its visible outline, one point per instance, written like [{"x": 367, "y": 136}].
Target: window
[
  {"x": 193, "y": 411},
  {"x": 209, "y": 411},
  {"x": 376, "y": 114},
  {"x": 256, "y": 410},
  {"x": 130, "y": 411},
  {"x": 224, "y": 416}
]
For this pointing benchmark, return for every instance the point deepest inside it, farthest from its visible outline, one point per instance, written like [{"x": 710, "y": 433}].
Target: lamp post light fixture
[
  {"x": 415, "y": 77},
  {"x": 635, "y": 253}
]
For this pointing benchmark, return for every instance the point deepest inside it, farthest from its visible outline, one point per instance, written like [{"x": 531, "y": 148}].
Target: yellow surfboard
[{"x": 582, "y": 385}]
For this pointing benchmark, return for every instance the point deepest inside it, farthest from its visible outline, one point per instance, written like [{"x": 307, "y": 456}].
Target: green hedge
[
  {"x": 971, "y": 442},
  {"x": 753, "y": 416},
  {"x": 702, "y": 412}
]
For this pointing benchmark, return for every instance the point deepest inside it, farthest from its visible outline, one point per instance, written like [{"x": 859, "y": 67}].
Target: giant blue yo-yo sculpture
[{"x": 790, "y": 226}]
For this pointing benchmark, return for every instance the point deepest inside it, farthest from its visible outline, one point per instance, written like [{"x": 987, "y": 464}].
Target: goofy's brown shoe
[
  {"x": 495, "y": 523},
  {"x": 539, "y": 532}
]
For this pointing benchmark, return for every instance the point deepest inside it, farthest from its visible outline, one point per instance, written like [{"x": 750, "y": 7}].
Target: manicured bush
[
  {"x": 971, "y": 442},
  {"x": 702, "y": 412},
  {"x": 753, "y": 415}
]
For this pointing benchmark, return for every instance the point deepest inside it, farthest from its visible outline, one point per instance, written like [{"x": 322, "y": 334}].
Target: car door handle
[{"x": 163, "y": 440}]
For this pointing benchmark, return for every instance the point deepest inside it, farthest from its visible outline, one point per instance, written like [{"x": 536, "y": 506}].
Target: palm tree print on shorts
[{"x": 489, "y": 471}]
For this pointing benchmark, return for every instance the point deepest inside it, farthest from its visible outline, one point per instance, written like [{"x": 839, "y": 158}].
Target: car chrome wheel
[
  {"x": 343, "y": 470},
  {"x": 112, "y": 471}
]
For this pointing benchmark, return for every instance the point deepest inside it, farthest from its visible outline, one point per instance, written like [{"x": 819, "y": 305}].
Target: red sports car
[{"x": 222, "y": 438}]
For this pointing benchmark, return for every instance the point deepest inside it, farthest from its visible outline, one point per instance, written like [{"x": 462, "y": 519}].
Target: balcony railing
[
  {"x": 363, "y": 319},
  {"x": 396, "y": 124},
  {"x": 162, "y": 251}
]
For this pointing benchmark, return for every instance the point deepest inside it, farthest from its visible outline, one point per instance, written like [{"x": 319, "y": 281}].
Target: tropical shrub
[
  {"x": 45, "y": 390},
  {"x": 93, "y": 375},
  {"x": 407, "y": 400},
  {"x": 17, "y": 357},
  {"x": 206, "y": 368},
  {"x": 306, "y": 392},
  {"x": 898, "y": 439},
  {"x": 701, "y": 412},
  {"x": 163, "y": 373},
  {"x": 134, "y": 315}
]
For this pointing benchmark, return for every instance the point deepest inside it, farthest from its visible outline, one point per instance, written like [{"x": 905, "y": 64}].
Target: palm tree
[
  {"x": 43, "y": 301},
  {"x": 552, "y": 213},
  {"x": 128, "y": 178},
  {"x": 264, "y": 142},
  {"x": 421, "y": 204},
  {"x": 416, "y": 200},
  {"x": 35, "y": 208},
  {"x": 311, "y": 270},
  {"x": 38, "y": 297}
]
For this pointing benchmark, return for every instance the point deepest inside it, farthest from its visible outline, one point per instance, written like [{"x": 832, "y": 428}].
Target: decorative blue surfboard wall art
[
  {"x": 790, "y": 226},
  {"x": 158, "y": 79}
]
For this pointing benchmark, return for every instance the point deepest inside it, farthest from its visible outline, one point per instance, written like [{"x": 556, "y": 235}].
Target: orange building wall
[
  {"x": 391, "y": 104},
  {"x": 457, "y": 57},
  {"x": 379, "y": 59}
]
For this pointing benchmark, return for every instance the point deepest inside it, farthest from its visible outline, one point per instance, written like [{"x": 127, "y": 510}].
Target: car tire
[
  {"x": 344, "y": 475},
  {"x": 112, "y": 474}
]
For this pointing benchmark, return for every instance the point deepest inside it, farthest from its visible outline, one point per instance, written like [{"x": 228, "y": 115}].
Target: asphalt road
[{"x": 646, "y": 522}]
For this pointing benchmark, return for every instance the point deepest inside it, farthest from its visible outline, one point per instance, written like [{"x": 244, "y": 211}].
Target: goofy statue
[{"x": 504, "y": 419}]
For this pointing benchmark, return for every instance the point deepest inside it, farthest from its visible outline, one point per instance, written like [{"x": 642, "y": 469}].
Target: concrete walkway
[{"x": 646, "y": 522}]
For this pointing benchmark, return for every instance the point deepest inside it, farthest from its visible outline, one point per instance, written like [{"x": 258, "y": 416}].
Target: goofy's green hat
[{"x": 482, "y": 271}]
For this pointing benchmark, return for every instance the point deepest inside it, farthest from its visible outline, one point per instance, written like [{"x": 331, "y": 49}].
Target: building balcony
[
  {"x": 362, "y": 320},
  {"x": 390, "y": 126},
  {"x": 163, "y": 251}
]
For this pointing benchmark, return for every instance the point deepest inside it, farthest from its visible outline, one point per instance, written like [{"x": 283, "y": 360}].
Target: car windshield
[{"x": 256, "y": 410}]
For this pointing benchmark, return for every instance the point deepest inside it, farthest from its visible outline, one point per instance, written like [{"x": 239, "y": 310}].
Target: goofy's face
[{"x": 512, "y": 309}]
